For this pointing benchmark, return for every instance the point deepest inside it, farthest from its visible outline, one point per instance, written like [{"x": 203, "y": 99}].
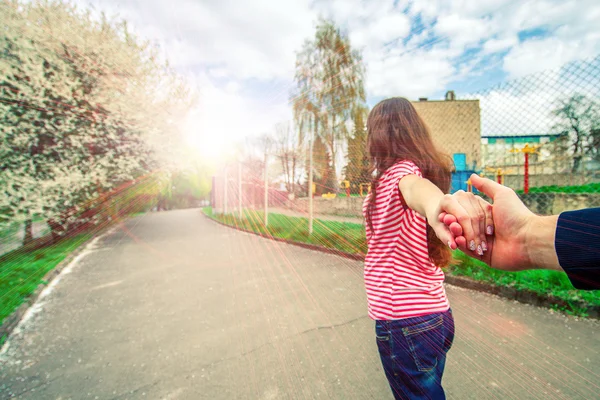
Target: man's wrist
[{"x": 539, "y": 237}]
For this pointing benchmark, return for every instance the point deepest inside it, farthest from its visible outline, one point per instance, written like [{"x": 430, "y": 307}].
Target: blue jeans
[{"x": 413, "y": 354}]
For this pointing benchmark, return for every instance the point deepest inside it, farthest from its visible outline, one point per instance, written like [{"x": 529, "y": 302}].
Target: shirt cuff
[{"x": 577, "y": 244}]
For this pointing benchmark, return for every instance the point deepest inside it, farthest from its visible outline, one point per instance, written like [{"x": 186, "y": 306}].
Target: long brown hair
[{"x": 395, "y": 132}]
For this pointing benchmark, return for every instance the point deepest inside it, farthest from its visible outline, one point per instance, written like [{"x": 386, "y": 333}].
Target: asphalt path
[{"x": 172, "y": 305}]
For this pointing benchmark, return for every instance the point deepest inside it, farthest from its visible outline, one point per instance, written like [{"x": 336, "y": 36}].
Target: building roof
[
  {"x": 444, "y": 101},
  {"x": 525, "y": 135}
]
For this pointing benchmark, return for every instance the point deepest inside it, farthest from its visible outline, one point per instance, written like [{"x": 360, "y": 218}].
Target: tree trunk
[
  {"x": 28, "y": 238},
  {"x": 576, "y": 163},
  {"x": 56, "y": 229},
  {"x": 294, "y": 172},
  {"x": 333, "y": 151}
]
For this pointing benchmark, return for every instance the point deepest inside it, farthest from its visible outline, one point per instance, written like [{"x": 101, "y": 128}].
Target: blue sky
[{"x": 240, "y": 54}]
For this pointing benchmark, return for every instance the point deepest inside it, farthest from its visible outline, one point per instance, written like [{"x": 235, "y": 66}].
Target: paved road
[{"x": 175, "y": 306}]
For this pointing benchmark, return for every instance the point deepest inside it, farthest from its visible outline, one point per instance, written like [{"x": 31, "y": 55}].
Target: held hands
[
  {"x": 464, "y": 221},
  {"x": 512, "y": 224}
]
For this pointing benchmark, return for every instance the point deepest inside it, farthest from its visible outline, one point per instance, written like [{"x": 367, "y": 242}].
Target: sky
[{"x": 240, "y": 55}]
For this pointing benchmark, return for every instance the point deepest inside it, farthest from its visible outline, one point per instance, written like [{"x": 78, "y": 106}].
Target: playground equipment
[
  {"x": 346, "y": 185},
  {"x": 498, "y": 172},
  {"x": 365, "y": 188},
  {"x": 527, "y": 150}
]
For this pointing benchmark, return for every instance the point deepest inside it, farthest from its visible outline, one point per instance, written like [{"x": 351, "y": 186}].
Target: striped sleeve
[{"x": 401, "y": 169}]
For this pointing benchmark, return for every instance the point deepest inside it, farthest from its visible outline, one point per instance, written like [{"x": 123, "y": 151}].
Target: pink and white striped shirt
[{"x": 400, "y": 279}]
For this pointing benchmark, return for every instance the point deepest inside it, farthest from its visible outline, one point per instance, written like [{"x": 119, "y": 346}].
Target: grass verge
[
  {"x": 350, "y": 238},
  {"x": 344, "y": 236},
  {"x": 21, "y": 272},
  {"x": 588, "y": 188}
]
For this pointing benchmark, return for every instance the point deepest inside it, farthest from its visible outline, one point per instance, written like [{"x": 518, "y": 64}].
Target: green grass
[
  {"x": 589, "y": 188},
  {"x": 350, "y": 238},
  {"x": 345, "y": 236},
  {"x": 22, "y": 272},
  {"x": 543, "y": 282}
]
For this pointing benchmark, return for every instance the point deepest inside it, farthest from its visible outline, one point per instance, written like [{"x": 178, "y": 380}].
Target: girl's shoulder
[{"x": 403, "y": 167}]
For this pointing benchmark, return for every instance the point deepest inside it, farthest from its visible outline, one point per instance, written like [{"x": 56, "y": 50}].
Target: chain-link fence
[{"x": 539, "y": 135}]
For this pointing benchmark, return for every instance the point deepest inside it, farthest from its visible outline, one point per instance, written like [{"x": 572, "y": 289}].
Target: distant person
[
  {"x": 568, "y": 242},
  {"x": 403, "y": 277}
]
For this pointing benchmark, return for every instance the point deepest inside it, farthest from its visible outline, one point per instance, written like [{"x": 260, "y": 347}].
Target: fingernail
[
  {"x": 490, "y": 230},
  {"x": 472, "y": 245},
  {"x": 449, "y": 244},
  {"x": 479, "y": 250},
  {"x": 484, "y": 246}
]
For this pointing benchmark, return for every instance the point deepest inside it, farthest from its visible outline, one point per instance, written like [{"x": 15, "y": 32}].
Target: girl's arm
[{"x": 422, "y": 196}]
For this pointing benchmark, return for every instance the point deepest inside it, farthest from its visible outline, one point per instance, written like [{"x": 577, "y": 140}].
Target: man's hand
[{"x": 514, "y": 227}]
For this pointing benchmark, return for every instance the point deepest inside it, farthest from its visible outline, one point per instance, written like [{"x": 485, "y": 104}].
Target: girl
[{"x": 403, "y": 276}]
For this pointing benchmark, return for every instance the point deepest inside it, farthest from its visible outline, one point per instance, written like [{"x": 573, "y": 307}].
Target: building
[
  {"x": 455, "y": 126},
  {"x": 549, "y": 165},
  {"x": 499, "y": 151}
]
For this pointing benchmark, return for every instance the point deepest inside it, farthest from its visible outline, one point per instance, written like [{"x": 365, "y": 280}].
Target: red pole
[{"x": 526, "y": 188}]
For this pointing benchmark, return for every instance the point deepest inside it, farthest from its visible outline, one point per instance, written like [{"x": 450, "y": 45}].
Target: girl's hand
[
  {"x": 468, "y": 219},
  {"x": 522, "y": 240}
]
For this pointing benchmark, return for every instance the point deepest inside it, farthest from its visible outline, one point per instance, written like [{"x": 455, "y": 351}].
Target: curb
[
  {"x": 13, "y": 320},
  {"x": 521, "y": 295}
]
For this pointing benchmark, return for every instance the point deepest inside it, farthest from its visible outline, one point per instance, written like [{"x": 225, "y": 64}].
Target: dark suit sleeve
[{"x": 577, "y": 244}]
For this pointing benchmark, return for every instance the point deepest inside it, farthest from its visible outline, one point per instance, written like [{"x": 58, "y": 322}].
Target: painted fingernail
[
  {"x": 484, "y": 246},
  {"x": 479, "y": 250},
  {"x": 490, "y": 230},
  {"x": 472, "y": 245}
]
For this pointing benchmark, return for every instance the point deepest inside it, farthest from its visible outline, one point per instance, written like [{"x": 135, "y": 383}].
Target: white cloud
[
  {"x": 527, "y": 57},
  {"x": 375, "y": 33},
  {"x": 410, "y": 75},
  {"x": 463, "y": 31},
  {"x": 496, "y": 45},
  {"x": 230, "y": 46},
  {"x": 505, "y": 112},
  {"x": 537, "y": 55},
  {"x": 249, "y": 39}
]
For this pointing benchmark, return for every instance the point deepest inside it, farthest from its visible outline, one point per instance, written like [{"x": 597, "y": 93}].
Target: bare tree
[
  {"x": 288, "y": 150},
  {"x": 580, "y": 122}
]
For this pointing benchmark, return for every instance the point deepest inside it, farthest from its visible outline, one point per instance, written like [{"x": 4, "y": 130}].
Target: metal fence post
[
  {"x": 310, "y": 187},
  {"x": 266, "y": 192},
  {"x": 240, "y": 189},
  {"x": 225, "y": 200}
]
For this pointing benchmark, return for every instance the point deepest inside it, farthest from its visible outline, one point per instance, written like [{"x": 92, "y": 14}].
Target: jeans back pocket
[{"x": 426, "y": 342}]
